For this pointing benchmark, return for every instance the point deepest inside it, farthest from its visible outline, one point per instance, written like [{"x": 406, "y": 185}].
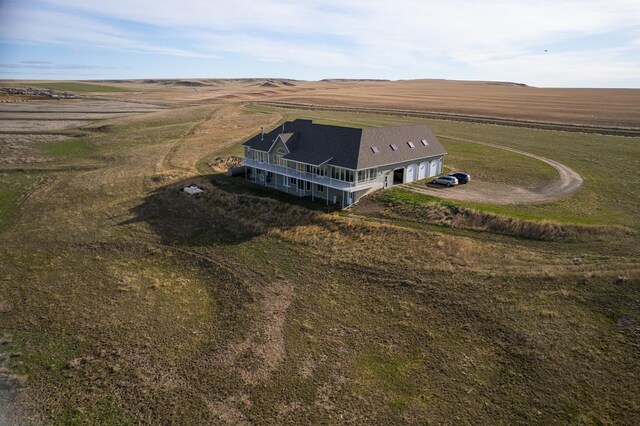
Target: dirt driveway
[{"x": 568, "y": 182}]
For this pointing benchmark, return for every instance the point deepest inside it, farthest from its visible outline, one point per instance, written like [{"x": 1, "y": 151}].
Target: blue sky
[{"x": 565, "y": 43}]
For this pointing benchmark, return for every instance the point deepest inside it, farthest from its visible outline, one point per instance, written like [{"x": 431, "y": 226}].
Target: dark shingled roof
[{"x": 348, "y": 147}]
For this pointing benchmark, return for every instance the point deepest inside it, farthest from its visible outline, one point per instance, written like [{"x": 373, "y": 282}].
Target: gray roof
[{"x": 349, "y": 147}]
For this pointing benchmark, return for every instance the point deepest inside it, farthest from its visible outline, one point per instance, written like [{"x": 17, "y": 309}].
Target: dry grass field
[
  {"x": 612, "y": 108},
  {"x": 123, "y": 300}
]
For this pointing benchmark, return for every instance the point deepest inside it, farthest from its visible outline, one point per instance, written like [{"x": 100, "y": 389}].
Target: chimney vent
[{"x": 261, "y": 133}]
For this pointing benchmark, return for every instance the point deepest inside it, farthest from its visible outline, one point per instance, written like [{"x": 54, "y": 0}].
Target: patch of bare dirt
[
  {"x": 259, "y": 355},
  {"x": 265, "y": 343},
  {"x": 228, "y": 412}
]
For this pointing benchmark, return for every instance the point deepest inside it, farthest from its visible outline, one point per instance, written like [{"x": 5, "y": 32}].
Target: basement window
[
  {"x": 375, "y": 149},
  {"x": 424, "y": 142},
  {"x": 411, "y": 145},
  {"x": 394, "y": 147}
]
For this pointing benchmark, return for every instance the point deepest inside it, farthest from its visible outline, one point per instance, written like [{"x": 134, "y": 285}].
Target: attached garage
[
  {"x": 433, "y": 168},
  {"x": 422, "y": 170},
  {"x": 410, "y": 174}
]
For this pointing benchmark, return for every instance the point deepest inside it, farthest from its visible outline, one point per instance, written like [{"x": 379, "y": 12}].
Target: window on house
[
  {"x": 424, "y": 142},
  {"x": 411, "y": 145},
  {"x": 293, "y": 180},
  {"x": 320, "y": 188},
  {"x": 394, "y": 147},
  {"x": 308, "y": 186},
  {"x": 375, "y": 149}
]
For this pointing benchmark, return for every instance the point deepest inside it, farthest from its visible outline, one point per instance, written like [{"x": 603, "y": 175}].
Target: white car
[{"x": 445, "y": 180}]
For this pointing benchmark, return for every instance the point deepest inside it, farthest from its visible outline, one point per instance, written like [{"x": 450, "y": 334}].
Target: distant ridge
[
  {"x": 276, "y": 83},
  {"x": 348, "y": 80}
]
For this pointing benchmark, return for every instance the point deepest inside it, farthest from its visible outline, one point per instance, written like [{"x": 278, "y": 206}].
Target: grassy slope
[{"x": 124, "y": 300}]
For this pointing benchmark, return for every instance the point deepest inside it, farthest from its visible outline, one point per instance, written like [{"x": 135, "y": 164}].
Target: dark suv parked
[{"x": 461, "y": 176}]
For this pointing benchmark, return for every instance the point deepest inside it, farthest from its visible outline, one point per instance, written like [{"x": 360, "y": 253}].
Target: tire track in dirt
[
  {"x": 265, "y": 342},
  {"x": 568, "y": 183},
  {"x": 221, "y": 130},
  {"x": 167, "y": 161},
  {"x": 264, "y": 346}
]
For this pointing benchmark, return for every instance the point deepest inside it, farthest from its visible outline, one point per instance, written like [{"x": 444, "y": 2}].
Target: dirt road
[{"x": 568, "y": 182}]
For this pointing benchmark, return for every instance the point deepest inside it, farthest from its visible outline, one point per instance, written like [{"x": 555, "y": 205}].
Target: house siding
[
  {"x": 350, "y": 150},
  {"x": 278, "y": 182},
  {"x": 388, "y": 169}
]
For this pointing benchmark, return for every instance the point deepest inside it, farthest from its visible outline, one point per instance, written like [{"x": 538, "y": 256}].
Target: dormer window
[
  {"x": 411, "y": 145},
  {"x": 394, "y": 147},
  {"x": 424, "y": 142},
  {"x": 375, "y": 149}
]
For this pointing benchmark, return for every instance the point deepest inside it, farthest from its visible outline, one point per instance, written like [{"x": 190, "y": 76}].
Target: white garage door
[
  {"x": 422, "y": 170},
  {"x": 410, "y": 173},
  {"x": 433, "y": 169}
]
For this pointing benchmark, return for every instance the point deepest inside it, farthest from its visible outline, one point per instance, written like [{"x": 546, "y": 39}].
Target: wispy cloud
[
  {"x": 46, "y": 65},
  {"x": 36, "y": 62},
  {"x": 492, "y": 39},
  {"x": 30, "y": 25}
]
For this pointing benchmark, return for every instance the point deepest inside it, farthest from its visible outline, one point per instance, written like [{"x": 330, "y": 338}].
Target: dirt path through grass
[{"x": 568, "y": 183}]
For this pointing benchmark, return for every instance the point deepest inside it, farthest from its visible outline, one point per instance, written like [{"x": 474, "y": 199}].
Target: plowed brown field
[{"x": 587, "y": 107}]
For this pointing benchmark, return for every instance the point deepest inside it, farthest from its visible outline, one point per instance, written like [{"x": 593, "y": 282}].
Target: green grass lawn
[
  {"x": 12, "y": 186},
  {"x": 495, "y": 165},
  {"x": 66, "y": 149}
]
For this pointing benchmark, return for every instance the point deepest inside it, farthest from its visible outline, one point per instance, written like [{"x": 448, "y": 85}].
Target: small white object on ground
[{"x": 193, "y": 190}]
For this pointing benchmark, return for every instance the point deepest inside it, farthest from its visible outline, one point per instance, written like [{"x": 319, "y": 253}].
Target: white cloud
[
  {"x": 47, "y": 27},
  {"x": 47, "y": 65},
  {"x": 491, "y": 38}
]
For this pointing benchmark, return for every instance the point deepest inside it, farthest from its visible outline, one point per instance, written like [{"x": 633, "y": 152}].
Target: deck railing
[{"x": 313, "y": 177}]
